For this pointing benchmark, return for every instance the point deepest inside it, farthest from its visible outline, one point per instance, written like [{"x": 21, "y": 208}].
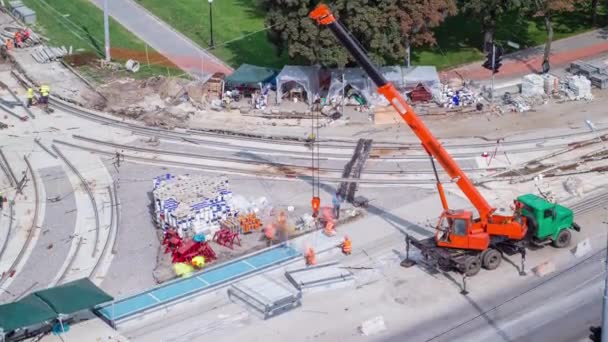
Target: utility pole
[
  {"x": 493, "y": 68},
  {"x": 211, "y": 23},
  {"x": 408, "y": 62},
  {"x": 604, "y": 330},
  {"x": 106, "y": 27}
]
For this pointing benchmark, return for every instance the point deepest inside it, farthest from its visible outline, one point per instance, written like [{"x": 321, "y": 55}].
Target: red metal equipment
[
  {"x": 172, "y": 240},
  {"x": 456, "y": 229},
  {"x": 190, "y": 249},
  {"x": 225, "y": 237}
]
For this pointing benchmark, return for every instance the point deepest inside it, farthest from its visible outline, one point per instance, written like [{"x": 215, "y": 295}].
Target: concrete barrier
[{"x": 582, "y": 248}]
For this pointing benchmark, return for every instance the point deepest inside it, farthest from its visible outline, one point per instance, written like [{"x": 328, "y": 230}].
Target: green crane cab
[{"x": 547, "y": 222}]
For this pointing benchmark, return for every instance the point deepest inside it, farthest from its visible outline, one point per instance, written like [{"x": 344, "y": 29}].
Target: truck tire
[
  {"x": 563, "y": 238},
  {"x": 491, "y": 259},
  {"x": 532, "y": 228},
  {"x": 472, "y": 265}
]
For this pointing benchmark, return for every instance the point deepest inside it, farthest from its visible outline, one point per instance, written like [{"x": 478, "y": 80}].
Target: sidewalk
[
  {"x": 564, "y": 51},
  {"x": 179, "y": 49}
]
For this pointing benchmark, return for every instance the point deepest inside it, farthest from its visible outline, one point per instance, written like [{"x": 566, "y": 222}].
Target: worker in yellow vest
[
  {"x": 30, "y": 97},
  {"x": 44, "y": 94}
]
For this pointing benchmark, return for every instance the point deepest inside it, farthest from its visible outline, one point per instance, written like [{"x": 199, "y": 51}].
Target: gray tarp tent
[
  {"x": 251, "y": 75},
  {"x": 305, "y": 76},
  {"x": 46, "y": 305},
  {"x": 355, "y": 77},
  {"x": 427, "y": 75},
  {"x": 403, "y": 78}
]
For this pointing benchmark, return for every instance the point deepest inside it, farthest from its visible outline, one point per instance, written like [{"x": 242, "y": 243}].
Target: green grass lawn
[
  {"x": 79, "y": 23},
  {"x": 232, "y": 19},
  {"x": 458, "y": 40}
]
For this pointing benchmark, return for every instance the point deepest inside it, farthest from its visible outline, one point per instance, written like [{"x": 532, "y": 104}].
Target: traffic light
[
  {"x": 495, "y": 55},
  {"x": 596, "y": 334},
  {"x": 488, "y": 62},
  {"x": 498, "y": 58}
]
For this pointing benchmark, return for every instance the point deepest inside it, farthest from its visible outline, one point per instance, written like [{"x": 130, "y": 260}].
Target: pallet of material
[{"x": 599, "y": 80}]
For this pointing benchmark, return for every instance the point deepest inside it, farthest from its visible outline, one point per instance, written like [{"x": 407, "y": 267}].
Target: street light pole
[
  {"x": 493, "y": 68},
  {"x": 106, "y": 28},
  {"x": 210, "y": 22}
]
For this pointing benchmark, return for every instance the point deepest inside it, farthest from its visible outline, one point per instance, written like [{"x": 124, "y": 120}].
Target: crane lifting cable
[{"x": 316, "y": 182}]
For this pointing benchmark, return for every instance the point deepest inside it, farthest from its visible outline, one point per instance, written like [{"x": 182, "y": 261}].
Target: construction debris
[
  {"x": 598, "y": 75},
  {"x": 373, "y": 326},
  {"x": 532, "y": 85},
  {"x": 578, "y": 88}
]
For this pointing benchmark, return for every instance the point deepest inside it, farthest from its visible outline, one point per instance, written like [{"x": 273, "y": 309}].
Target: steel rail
[
  {"x": 259, "y": 163},
  {"x": 8, "y": 168},
  {"x": 89, "y": 192},
  {"x": 30, "y": 233},
  {"x": 110, "y": 230},
  {"x": 349, "y": 144}
]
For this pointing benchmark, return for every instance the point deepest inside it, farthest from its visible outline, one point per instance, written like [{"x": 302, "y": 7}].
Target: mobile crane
[{"x": 461, "y": 241}]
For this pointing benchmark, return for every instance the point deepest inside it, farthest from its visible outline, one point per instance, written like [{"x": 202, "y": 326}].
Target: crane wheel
[
  {"x": 472, "y": 265},
  {"x": 563, "y": 239},
  {"x": 491, "y": 259}
]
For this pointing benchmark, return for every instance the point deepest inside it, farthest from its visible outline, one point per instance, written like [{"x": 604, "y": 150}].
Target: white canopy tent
[{"x": 305, "y": 76}]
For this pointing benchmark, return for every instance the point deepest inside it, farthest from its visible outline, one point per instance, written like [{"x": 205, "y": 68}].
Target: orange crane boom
[{"x": 477, "y": 231}]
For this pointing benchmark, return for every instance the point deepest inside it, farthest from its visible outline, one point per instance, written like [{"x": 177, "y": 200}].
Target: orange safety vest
[
  {"x": 311, "y": 259},
  {"x": 9, "y": 44},
  {"x": 269, "y": 232},
  {"x": 347, "y": 246}
]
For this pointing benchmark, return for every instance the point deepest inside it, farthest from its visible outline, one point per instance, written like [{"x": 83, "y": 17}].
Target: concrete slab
[
  {"x": 325, "y": 276},
  {"x": 265, "y": 295}
]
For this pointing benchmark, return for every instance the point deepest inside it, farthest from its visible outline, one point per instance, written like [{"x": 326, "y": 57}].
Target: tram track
[
  {"x": 190, "y": 135},
  {"x": 30, "y": 234},
  {"x": 200, "y": 156}
]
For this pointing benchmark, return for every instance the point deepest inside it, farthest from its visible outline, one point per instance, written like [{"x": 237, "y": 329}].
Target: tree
[
  {"x": 594, "y": 4},
  {"x": 546, "y": 9},
  {"x": 488, "y": 12},
  {"x": 384, "y": 28}
]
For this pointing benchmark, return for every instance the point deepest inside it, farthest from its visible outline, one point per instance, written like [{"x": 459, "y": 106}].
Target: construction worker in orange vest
[
  {"x": 26, "y": 34},
  {"x": 347, "y": 246},
  {"x": 269, "y": 232},
  {"x": 9, "y": 44},
  {"x": 18, "y": 39},
  {"x": 311, "y": 258},
  {"x": 329, "y": 228}
]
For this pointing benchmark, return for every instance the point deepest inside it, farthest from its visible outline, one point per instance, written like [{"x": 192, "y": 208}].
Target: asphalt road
[
  {"x": 558, "y": 308},
  {"x": 163, "y": 38}
]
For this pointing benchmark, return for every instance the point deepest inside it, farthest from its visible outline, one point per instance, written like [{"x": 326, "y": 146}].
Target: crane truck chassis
[{"x": 547, "y": 222}]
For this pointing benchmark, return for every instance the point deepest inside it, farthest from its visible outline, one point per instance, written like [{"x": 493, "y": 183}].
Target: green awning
[
  {"x": 74, "y": 296},
  {"x": 45, "y": 305},
  {"x": 28, "y": 311},
  {"x": 251, "y": 74}
]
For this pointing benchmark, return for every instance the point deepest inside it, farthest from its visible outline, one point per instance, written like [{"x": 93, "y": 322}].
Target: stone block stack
[{"x": 192, "y": 204}]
